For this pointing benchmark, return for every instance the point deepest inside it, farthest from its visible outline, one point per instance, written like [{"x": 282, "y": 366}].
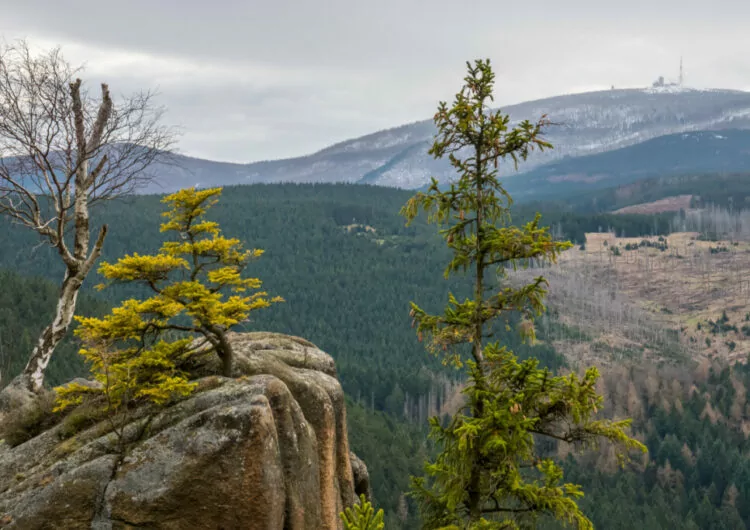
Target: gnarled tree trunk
[
  {"x": 33, "y": 375},
  {"x": 61, "y": 151}
]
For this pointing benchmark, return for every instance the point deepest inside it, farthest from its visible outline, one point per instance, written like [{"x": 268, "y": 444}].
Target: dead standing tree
[{"x": 61, "y": 152}]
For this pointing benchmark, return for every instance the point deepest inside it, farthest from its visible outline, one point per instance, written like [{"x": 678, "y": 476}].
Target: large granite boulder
[{"x": 266, "y": 449}]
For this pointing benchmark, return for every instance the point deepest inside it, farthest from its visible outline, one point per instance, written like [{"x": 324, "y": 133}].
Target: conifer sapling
[
  {"x": 197, "y": 291},
  {"x": 490, "y": 473},
  {"x": 362, "y": 516}
]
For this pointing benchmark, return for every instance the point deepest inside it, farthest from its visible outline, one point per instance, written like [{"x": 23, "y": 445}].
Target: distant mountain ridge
[
  {"x": 588, "y": 123},
  {"x": 687, "y": 153}
]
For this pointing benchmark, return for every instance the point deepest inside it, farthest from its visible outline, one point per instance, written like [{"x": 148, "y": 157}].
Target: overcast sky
[{"x": 259, "y": 80}]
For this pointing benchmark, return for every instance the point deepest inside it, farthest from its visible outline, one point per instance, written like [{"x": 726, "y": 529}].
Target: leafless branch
[{"x": 63, "y": 150}]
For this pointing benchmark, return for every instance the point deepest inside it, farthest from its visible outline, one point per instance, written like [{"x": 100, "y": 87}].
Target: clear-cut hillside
[{"x": 587, "y": 123}]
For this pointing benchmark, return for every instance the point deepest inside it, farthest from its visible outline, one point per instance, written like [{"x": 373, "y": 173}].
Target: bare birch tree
[{"x": 62, "y": 151}]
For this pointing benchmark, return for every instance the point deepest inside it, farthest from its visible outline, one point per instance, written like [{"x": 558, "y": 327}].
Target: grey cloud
[{"x": 261, "y": 79}]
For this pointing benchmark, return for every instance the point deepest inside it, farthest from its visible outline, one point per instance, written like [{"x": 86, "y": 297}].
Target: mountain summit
[{"x": 587, "y": 123}]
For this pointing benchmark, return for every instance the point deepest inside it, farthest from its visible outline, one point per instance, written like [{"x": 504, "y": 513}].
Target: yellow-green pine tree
[{"x": 197, "y": 291}]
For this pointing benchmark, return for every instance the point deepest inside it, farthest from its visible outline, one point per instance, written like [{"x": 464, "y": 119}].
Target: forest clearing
[{"x": 630, "y": 296}]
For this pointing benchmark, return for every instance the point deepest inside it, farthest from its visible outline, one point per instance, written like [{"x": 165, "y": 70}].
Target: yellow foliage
[
  {"x": 187, "y": 205},
  {"x": 137, "y": 267},
  {"x": 197, "y": 275},
  {"x": 131, "y": 374}
]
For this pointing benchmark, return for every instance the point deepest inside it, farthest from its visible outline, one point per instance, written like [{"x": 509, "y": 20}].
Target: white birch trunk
[
  {"x": 33, "y": 375},
  {"x": 76, "y": 152}
]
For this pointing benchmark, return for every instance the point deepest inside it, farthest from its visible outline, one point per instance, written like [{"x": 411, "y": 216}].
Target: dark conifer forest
[{"x": 347, "y": 267}]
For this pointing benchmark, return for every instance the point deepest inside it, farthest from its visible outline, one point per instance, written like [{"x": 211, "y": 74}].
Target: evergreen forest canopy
[
  {"x": 325, "y": 270},
  {"x": 724, "y": 190},
  {"x": 673, "y": 155},
  {"x": 705, "y": 485}
]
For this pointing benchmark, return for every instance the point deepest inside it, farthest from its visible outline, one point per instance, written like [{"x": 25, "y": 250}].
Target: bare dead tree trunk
[{"x": 61, "y": 152}]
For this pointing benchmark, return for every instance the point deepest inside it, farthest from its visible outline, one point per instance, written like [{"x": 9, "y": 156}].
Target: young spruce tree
[
  {"x": 197, "y": 290},
  {"x": 362, "y": 516},
  {"x": 489, "y": 473}
]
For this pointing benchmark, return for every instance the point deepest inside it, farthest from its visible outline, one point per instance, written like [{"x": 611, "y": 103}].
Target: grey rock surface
[{"x": 266, "y": 449}]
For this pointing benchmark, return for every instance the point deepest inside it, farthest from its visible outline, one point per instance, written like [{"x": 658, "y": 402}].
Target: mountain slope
[
  {"x": 586, "y": 123},
  {"x": 690, "y": 153}
]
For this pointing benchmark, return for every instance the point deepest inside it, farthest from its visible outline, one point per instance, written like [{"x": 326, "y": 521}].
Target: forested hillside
[
  {"x": 687, "y": 153},
  {"x": 727, "y": 190},
  {"x": 339, "y": 254},
  {"x": 26, "y": 306},
  {"x": 347, "y": 266},
  {"x": 697, "y": 472}
]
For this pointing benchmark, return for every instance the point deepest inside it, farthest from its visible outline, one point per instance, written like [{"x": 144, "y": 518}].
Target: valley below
[{"x": 662, "y": 316}]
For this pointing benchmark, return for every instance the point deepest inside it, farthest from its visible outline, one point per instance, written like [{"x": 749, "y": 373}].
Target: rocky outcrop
[
  {"x": 266, "y": 449},
  {"x": 13, "y": 397}
]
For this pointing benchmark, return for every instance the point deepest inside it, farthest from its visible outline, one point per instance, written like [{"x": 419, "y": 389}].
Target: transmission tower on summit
[{"x": 661, "y": 83}]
